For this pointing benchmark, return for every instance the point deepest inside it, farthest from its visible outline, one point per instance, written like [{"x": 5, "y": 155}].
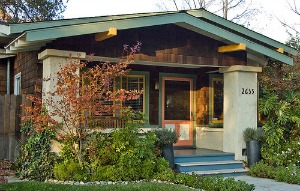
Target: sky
[{"x": 265, "y": 23}]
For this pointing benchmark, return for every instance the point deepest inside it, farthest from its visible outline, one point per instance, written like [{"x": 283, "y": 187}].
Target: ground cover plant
[{"x": 145, "y": 186}]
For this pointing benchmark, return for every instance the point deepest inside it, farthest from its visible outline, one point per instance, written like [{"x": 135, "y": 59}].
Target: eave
[
  {"x": 239, "y": 29},
  {"x": 34, "y": 38}
]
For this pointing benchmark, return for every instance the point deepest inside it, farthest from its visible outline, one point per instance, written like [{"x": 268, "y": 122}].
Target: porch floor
[{"x": 197, "y": 152}]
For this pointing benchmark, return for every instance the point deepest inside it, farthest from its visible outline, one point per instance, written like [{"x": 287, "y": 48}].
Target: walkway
[{"x": 263, "y": 184}]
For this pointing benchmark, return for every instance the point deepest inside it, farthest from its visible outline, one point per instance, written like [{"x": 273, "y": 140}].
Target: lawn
[{"x": 41, "y": 186}]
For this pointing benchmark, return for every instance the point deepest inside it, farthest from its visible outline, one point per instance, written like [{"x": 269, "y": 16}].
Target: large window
[
  {"x": 216, "y": 99},
  {"x": 135, "y": 82}
]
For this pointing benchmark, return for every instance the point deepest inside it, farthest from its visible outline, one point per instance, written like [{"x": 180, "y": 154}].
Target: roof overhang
[{"x": 33, "y": 36}]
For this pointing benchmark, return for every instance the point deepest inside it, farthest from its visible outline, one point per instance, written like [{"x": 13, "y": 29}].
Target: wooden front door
[{"x": 177, "y": 108}]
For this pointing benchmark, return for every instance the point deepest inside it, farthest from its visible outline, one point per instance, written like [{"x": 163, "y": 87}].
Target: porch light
[{"x": 156, "y": 85}]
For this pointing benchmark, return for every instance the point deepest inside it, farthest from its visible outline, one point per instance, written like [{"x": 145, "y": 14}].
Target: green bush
[
  {"x": 69, "y": 171},
  {"x": 262, "y": 170},
  {"x": 36, "y": 160},
  {"x": 290, "y": 174},
  {"x": 212, "y": 183}
]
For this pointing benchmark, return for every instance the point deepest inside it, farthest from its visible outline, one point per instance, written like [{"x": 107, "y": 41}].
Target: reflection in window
[
  {"x": 217, "y": 100},
  {"x": 134, "y": 82}
]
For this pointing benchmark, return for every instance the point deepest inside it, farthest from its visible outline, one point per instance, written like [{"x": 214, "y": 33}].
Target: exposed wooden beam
[
  {"x": 281, "y": 50},
  {"x": 105, "y": 35},
  {"x": 232, "y": 48}
]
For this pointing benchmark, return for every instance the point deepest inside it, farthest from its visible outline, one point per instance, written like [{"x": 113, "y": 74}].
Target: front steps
[{"x": 210, "y": 164}]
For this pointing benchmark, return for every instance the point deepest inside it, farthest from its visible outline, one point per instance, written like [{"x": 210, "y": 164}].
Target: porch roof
[{"x": 20, "y": 37}]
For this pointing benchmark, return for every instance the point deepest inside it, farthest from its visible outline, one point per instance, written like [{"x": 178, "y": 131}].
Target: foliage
[
  {"x": 280, "y": 103},
  {"x": 123, "y": 154},
  {"x": 250, "y": 134},
  {"x": 165, "y": 137},
  {"x": 36, "y": 159},
  {"x": 80, "y": 96},
  {"x": 282, "y": 125},
  {"x": 289, "y": 174},
  {"x": 70, "y": 171},
  {"x": 212, "y": 183},
  {"x": 142, "y": 186},
  {"x": 31, "y": 11}
]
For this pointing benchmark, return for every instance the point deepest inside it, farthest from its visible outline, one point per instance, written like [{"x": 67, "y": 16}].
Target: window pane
[
  {"x": 217, "y": 110},
  {"x": 177, "y": 100},
  {"x": 134, "y": 83}
]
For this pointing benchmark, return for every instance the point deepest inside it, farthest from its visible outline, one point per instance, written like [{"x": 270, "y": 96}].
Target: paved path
[{"x": 263, "y": 184}]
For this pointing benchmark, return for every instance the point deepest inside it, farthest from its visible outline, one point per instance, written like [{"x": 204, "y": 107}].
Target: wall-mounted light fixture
[{"x": 156, "y": 85}]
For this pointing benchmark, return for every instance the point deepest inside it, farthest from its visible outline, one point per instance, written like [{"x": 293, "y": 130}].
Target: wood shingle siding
[{"x": 31, "y": 71}]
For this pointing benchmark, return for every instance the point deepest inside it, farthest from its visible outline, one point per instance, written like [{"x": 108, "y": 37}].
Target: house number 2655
[{"x": 247, "y": 91}]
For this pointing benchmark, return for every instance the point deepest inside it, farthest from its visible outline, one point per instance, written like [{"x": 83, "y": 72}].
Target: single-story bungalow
[{"x": 198, "y": 71}]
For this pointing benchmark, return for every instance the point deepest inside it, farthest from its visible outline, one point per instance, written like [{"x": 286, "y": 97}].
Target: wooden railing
[{"x": 108, "y": 122}]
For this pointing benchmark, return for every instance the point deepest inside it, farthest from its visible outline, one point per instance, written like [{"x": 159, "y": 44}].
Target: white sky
[{"x": 266, "y": 24}]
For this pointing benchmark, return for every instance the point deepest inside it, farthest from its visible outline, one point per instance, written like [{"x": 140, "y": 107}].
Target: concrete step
[
  {"x": 223, "y": 172},
  {"x": 204, "y": 158},
  {"x": 208, "y": 166}
]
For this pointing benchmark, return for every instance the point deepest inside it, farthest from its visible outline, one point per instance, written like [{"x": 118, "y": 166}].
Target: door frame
[{"x": 177, "y": 75}]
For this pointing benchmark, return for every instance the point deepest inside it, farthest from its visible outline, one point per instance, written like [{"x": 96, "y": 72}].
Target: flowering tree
[{"x": 80, "y": 95}]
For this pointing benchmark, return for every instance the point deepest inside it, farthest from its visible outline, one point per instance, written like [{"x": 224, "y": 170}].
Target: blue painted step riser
[
  {"x": 208, "y": 167},
  {"x": 203, "y": 158}
]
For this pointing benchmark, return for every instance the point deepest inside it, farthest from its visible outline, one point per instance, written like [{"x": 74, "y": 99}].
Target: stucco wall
[{"x": 209, "y": 138}]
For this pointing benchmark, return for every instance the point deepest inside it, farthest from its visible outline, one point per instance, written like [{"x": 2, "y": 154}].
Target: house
[{"x": 198, "y": 70}]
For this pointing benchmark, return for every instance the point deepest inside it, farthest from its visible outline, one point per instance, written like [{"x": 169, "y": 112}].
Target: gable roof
[{"x": 32, "y": 36}]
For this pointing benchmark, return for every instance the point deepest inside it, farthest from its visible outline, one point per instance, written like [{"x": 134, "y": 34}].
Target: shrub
[
  {"x": 36, "y": 160},
  {"x": 262, "y": 170},
  {"x": 290, "y": 174},
  {"x": 69, "y": 171},
  {"x": 212, "y": 183}
]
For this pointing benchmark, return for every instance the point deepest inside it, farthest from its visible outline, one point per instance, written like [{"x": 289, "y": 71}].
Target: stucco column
[
  {"x": 53, "y": 61},
  {"x": 240, "y": 106}
]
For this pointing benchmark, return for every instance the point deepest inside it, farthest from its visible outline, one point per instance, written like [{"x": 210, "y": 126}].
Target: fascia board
[
  {"x": 241, "y": 29},
  {"x": 21, "y": 27},
  {"x": 183, "y": 19},
  {"x": 4, "y": 29}
]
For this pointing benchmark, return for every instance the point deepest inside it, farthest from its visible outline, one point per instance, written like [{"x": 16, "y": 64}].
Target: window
[
  {"x": 17, "y": 84},
  {"x": 134, "y": 82},
  {"x": 216, "y": 99}
]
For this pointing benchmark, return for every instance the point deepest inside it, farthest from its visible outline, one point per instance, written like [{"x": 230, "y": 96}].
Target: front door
[{"x": 177, "y": 108}]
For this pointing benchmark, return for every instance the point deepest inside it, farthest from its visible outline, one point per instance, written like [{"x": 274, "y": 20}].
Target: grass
[{"x": 41, "y": 186}]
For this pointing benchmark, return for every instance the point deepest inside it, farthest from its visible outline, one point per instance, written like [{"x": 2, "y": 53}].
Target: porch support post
[
  {"x": 53, "y": 61},
  {"x": 240, "y": 106}
]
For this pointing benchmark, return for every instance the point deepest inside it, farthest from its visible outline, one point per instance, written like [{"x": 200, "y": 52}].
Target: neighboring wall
[{"x": 31, "y": 71}]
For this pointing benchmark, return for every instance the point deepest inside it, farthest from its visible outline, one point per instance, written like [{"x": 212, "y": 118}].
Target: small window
[
  {"x": 17, "y": 84},
  {"x": 216, "y": 99}
]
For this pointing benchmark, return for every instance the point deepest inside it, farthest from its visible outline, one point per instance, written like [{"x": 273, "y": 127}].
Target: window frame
[
  {"x": 144, "y": 87},
  {"x": 212, "y": 78},
  {"x": 17, "y": 84}
]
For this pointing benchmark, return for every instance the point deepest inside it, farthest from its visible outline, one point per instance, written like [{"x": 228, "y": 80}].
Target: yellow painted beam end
[
  {"x": 281, "y": 50},
  {"x": 105, "y": 35},
  {"x": 232, "y": 48}
]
